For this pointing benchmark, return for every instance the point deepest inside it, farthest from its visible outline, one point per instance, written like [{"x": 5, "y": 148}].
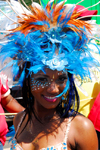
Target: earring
[{"x": 65, "y": 99}]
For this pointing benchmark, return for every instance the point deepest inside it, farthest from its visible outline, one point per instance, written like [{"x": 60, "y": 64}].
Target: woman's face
[{"x": 45, "y": 87}]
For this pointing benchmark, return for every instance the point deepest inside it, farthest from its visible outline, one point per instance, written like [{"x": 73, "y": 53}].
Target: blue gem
[{"x": 64, "y": 147}]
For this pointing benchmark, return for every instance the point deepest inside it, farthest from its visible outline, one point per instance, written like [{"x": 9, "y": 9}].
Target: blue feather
[
  {"x": 11, "y": 133},
  {"x": 65, "y": 89}
]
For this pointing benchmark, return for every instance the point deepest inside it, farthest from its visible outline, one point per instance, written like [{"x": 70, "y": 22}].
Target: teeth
[{"x": 50, "y": 97}]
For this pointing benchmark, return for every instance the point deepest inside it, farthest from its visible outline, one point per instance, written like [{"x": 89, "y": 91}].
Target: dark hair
[
  {"x": 67, "y": 105},
  {"x": 70, "y": 101}
]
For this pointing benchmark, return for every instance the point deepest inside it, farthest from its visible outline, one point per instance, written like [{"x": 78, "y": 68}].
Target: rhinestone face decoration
[{"x": 42, "y": 81}]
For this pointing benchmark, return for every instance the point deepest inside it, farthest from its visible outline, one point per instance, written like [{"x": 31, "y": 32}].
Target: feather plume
[{"x": 50, "y": 36}]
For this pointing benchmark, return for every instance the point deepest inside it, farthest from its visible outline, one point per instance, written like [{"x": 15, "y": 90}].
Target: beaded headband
[{"x": 52, "y": 36}]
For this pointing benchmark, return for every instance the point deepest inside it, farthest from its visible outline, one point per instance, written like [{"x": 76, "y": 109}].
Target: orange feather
[{"x": 25, "y": 23}]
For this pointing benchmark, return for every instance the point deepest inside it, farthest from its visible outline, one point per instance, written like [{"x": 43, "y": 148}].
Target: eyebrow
[
  {"x": 64, "y": 74},
  {"x": 42, "y": 75}
]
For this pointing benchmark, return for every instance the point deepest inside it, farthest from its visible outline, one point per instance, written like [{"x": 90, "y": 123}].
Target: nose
[{"x": 53, "y": 88}]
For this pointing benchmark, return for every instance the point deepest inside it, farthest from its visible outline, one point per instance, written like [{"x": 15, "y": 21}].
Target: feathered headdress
[{"x": 52, "y": 36}]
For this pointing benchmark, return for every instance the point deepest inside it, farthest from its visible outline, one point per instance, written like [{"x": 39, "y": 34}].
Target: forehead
[{"x": 50, "y": 72}]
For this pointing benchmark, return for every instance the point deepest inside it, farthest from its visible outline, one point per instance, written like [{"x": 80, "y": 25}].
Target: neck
[{"x": 45, "y": 115}]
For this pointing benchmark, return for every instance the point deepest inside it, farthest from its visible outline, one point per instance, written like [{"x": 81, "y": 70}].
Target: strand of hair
[
  {"x": 8, "y": 17},
  {"x": 13, "y": 9},
  {"x": 88, "y": 16},
  {"x": 24, "y": 4},
  {"x": 79, "y": 2},
  {"x": 5, "y": 32},
  {"x": 6, "y": 41},
  {"x": 89, "y": 7},
  {"x": 92, "y": 37}
]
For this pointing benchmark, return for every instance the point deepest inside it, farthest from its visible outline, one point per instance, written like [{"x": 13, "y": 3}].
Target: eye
[
  {"x": 62, "y": 78},
  {"x": 42, "y": 79}
]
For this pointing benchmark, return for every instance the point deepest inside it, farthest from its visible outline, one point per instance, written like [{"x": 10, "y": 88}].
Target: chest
[
  {"x": 45, "y": 138},
  {"x": 45, "y": 142}
]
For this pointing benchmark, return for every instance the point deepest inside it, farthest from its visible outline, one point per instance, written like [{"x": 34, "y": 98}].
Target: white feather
[
  {"x": 34, "y": 4},
  {"x": 78, "y": 84},
  {"x": 19, "y": 8},
  {"x": 6, "y": 19}
]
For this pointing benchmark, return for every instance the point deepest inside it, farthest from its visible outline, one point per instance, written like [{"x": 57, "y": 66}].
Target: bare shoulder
[
  {"x": 18, "y": 119},
  {"x": 83, "y": 123},
  {"x": 80, "y": 122},
  {"x": 83, "y": 132}
]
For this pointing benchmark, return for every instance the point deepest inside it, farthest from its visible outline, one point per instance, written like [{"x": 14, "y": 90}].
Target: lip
[{"x": 49, "y": 98}]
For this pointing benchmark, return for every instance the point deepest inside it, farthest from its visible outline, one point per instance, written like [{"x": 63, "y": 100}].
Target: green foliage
[{"x": 28, "y": 2}]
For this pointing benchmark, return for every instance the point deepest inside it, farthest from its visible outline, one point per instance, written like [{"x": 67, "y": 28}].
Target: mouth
[{"x": 50, "y": 99}]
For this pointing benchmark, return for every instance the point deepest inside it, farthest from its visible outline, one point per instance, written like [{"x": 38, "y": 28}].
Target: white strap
[
  {"x": 67, "y": 130},
  {"x": 6, "y": 94}
]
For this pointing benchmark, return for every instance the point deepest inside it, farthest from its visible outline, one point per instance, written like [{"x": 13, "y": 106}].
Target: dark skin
[
  {"x": 51, "y": 128},
  {"x": 78, "y": 139},
  {"x": 11, "y": 105}
]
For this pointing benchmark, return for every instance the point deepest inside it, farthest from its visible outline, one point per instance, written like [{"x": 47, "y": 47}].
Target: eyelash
[
  {"x": 42, "y": 79},
  {"x": 46, "y": 80},
  {"x": 61, "y": 80},
  {"x": 64, "y": 78}
]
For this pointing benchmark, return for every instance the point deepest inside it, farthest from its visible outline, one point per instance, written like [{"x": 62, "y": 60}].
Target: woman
[
  {"x": 9, "y": 103},
  {"x": 44, "y": 121},
  {"x": 51, "y": 45}
]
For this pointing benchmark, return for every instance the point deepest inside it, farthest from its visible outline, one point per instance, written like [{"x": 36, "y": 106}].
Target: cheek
[
  {"x": 36, "y": 90},
  {"x": 62, "y": 86},
  {"x": 35, "y": 94},
  {"x": 37, "y": 85}
]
